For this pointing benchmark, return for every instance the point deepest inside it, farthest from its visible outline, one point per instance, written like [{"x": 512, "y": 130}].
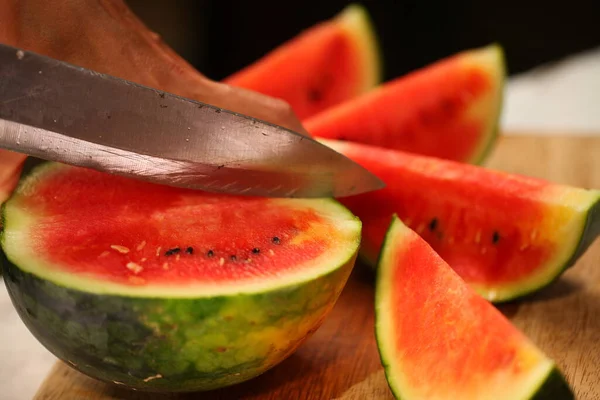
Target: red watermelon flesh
[
  {"x": 140, "y": 234},
  {"x": 438, "y": 339},
  {"x": 449, "y": 109},
  {"x": 325, "y": 65},
  {"x": 10, "y": 166},
  {"x": 505, "y": 234}
]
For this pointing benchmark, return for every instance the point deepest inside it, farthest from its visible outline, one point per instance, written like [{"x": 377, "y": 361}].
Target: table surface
[{"x": 341, "y": 360}]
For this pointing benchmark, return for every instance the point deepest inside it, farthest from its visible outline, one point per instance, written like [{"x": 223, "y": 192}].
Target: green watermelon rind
[
  {"x": 553, "y": 386},
  {"x": 177, "y": 344},
  {"x": 194, "y": 344},
  {"x": 491, "y": 139},
  {"x": 589, "y": 232},
  {"x": 358, "y": 19}
]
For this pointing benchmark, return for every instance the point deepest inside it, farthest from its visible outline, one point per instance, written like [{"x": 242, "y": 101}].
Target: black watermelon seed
[
  {"x": 276, "y": 240},
  {"x": 210, "y": 253},
  {"x": 233, "y": 258},
  {"x": 172, "y": 251},
  {"x": 189, "y": 250},
  {"x": 433, "y": 224},
  {"x": 256, "y": 250},
  {"x": 314, "y": 95},
  {"x": 495, "y": 237}
]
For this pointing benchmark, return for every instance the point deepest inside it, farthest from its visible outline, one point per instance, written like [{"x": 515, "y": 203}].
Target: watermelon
[
  {"x": 324, "y": 65},
  {"x": 106, "y": 36},
  {"x": 450, "y": 109},
  {"x": 438, "y": 339},
  {"x": 507, "y": 235},
  {"x": 166, "y": 289},
  {"x": 10, "y": 167}
]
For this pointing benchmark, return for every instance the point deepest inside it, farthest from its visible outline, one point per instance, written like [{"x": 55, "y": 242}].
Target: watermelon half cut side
[
  {"x": 167, "y": 289},
  {"x": 325, "y": 65},
  {"x": 450, "y": 109},
  {"x": 507, "y": 235},
  {"x": 438, "y": 339}
]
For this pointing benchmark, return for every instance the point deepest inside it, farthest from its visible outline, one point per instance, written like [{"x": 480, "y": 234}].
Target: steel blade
[{"x": 56, "y": 111}]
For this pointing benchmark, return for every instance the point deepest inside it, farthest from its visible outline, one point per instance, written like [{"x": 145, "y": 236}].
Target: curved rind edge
[
  {"x": 378, "y": 299},
  {"x": 589, "y": 233},
  {"x": 358, "y": 19},
  {"x": 39, "y": 169},
  {"x": 30, "y": 297},
  {"x": 554, "y": 386},
  {"x": 66, "y": 321},
  {"x": 493, "y": 136}
]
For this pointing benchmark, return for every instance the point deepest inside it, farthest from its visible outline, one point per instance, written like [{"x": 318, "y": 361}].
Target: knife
[{"x": 56, "y": 111}]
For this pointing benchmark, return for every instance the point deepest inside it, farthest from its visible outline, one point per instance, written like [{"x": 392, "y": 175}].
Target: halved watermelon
[
  {"x": 160, "y": 288},
  {"x": 450, "y": 109},
  {"x": 438, "y": 339},
  {"x": 507, "y": 235},
  {"x": 322, "y": 66}
]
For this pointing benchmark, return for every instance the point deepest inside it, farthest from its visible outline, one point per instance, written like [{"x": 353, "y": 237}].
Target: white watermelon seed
[
  {"x": 135, "y": 268},
  {"x": 120, "y": 249}
]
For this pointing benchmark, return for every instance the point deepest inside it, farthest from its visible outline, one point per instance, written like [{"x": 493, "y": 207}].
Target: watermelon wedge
[
  {"x": 506, "y": 235},
  {"x": 166, "y": 289},
  {"x": 323, "y": 66},
  {"x": 449, "y": 109},
  {"x": 438, "y": 339},
  {"x": 10, "y": 167}
]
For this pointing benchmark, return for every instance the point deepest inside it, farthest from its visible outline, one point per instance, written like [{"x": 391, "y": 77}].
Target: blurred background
[
  {"x": 552, "y": 47},
  {"x": 221, "y": 36}
]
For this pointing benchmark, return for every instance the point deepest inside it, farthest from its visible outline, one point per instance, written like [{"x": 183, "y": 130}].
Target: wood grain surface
[{"x": 341, "y": 361}]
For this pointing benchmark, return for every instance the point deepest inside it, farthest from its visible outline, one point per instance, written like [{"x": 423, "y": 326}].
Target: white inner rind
[
  {"x": 487, "y": 108},
  {"x": 343, "y": 249},
  {"x": 499, "y": 386}
]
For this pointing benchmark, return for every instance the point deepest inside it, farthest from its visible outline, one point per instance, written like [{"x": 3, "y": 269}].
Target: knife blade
[{"x": 56, "y": 111}]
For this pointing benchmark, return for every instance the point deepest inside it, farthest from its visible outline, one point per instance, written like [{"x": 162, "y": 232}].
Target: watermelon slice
[
  {"x": 10, "y": 167},
  {"x": 507, "y": 235},
  {"x": 159, "y": 288},
  {"x": 438, "y": 339},
  {"x": 450, "y": 109},
  {"x": 323, "y": 66}
]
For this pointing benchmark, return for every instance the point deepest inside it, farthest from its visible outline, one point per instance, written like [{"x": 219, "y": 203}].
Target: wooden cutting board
[{"x": 341, "y": 361}]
